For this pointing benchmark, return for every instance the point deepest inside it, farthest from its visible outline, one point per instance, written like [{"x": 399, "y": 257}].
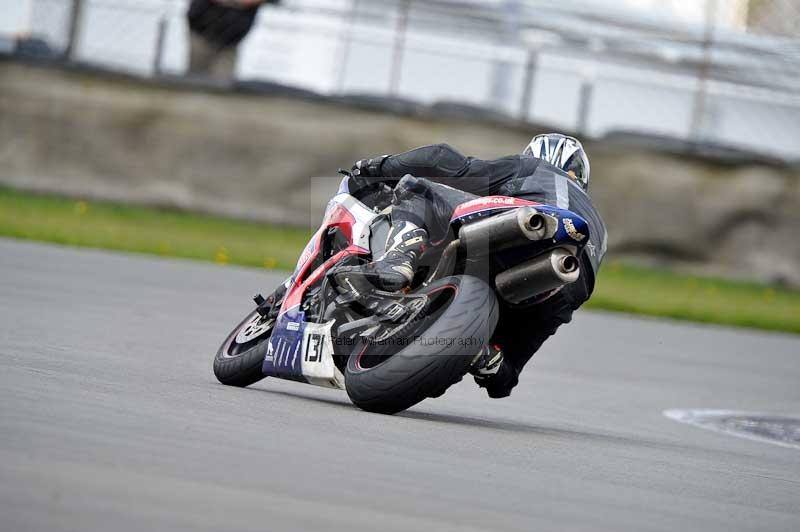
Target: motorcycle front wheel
[{"x": 240, "y": 357}]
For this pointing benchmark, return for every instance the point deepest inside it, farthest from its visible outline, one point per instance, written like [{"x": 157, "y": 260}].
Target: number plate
[{"x": 317, "y": 362}]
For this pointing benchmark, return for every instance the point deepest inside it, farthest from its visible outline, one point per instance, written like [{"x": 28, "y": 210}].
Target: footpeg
[
  {"x": 392, "y": 312},
  {"x": 345, "y": 299}
]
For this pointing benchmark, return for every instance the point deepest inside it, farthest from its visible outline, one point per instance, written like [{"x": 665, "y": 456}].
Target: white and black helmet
[{"x": 563, "y": 152}]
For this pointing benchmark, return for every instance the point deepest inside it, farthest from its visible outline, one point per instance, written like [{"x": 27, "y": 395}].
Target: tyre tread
[{"x": 406, "y": 378}]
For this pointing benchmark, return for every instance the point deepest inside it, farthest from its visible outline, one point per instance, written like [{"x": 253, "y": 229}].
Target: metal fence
[{"x": 721, "y": 71}]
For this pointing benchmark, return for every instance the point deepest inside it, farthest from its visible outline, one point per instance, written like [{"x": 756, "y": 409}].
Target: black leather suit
[{"x": 445, "y": 178}]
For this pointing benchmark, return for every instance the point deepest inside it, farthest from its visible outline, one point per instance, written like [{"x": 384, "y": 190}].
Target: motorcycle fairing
[
  {"x": 573, "y": 230},
  {"x": 486, "y": 206},
  {"x": 317, "y": 363},
  {"x": 284, "y": 357},
  {"x": 302, "y": 350},
  {"x": 353, "y": 219}
]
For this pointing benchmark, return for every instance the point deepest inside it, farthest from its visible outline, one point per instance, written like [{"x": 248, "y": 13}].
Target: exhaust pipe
[
  {"x": 537, "y": 276},
  {"x": 507, "y": 230}
]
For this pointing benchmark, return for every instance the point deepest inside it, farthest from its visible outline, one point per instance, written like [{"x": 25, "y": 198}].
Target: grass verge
[
  {"x": 178, "y": 234},
  {"x": 661, "y": 293},
  {"x": 162, "y": 232}
]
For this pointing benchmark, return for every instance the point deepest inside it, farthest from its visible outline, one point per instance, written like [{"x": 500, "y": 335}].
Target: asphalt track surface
[{"x": 110, "y": 419}]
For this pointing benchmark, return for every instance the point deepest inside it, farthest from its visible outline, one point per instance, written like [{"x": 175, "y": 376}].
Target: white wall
[{"x": 15, "y": 17}]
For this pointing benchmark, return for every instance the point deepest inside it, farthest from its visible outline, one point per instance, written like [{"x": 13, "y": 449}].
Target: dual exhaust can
[
  {"x": 518, "y": 227},
  {"x": 546, "y": 272},
  {"x": 510, "y": 229}
]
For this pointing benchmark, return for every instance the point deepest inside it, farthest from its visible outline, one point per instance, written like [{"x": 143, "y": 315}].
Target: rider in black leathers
[{"x": 421, "y": 214}]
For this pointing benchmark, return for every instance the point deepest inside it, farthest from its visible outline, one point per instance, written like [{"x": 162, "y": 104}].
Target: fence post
[
  {"x": 502, "y": 69},
  {"x": 161, "y": 37},
  {"x": 585, "y": 103},
  {"x": 74, "y": 29},
  {"x": 399, "y": 46},
  {"x": 527, "y": 85},
  {"x": 344, "y": 55},
  {"x": 697, "y": 126}
]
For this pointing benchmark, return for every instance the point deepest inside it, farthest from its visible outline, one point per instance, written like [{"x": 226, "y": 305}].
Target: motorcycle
[{"x": 391, "y": 350}]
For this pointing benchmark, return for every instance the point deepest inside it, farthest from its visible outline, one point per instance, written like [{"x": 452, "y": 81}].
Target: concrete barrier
[{"x": 256, "y": 156}]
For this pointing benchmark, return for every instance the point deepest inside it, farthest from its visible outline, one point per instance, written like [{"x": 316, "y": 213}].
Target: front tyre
[
  {"x": 238, "y": 361},
  {"x": 430, "y": 353}
]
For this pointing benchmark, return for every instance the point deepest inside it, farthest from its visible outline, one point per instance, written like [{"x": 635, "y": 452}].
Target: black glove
[{"x": 368, "y": 167}]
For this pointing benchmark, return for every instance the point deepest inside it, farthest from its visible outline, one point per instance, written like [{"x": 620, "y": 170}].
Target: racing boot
[
  {"x": 492, "y": 372},
  {"x": 395, "y": 269},
  {"x": 487, "y": 362}
]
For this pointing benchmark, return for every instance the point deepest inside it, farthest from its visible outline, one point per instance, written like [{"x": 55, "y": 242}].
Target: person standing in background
[{"x": 216, "y": 29}]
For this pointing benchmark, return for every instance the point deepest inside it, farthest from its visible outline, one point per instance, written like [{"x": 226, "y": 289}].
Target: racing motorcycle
[{"x": 391, "y": 350}]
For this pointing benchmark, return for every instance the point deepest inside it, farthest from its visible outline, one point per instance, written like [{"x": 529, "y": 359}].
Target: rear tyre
[
  {"x": 239, "y": 359},
  {"x": 428, "y": 355}
]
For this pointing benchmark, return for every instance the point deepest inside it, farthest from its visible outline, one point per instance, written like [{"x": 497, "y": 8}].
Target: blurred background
[
  {"x": 246, "y": 108},
  {"x": 721, "y": 71}
]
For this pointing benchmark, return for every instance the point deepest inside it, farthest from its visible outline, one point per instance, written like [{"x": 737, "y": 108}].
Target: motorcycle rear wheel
[{"x": 430, "y": 354}]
